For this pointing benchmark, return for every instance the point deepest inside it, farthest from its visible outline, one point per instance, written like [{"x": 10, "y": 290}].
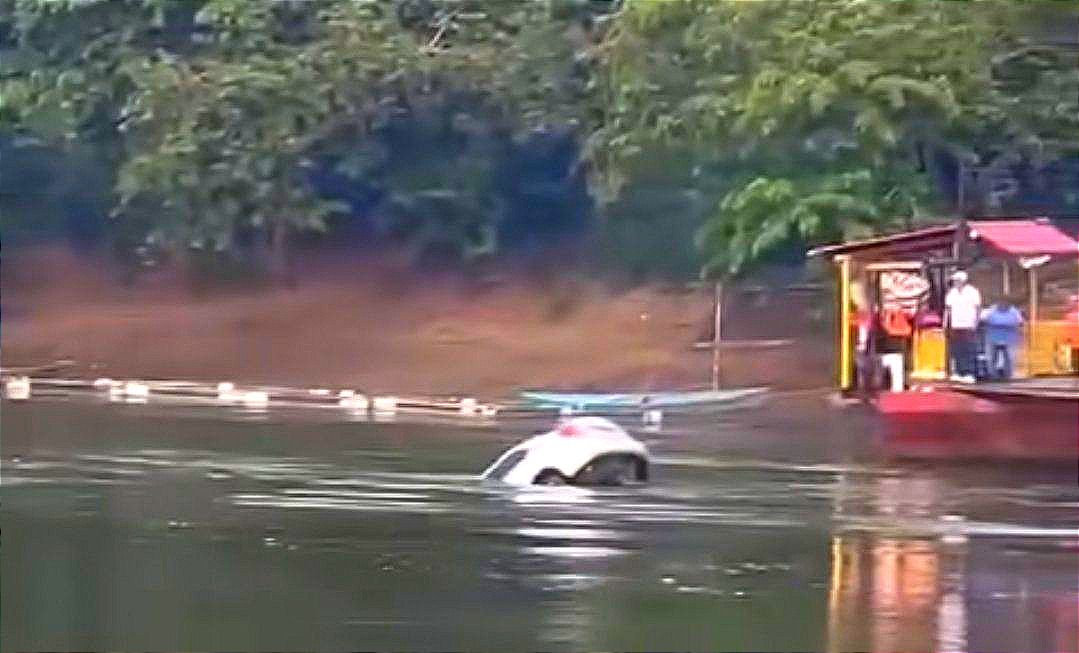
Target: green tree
[
  {"x": 795, "y": 121},
  {"x": 816, "y": 119},
  {"x": 218, "y": 108},
  {"x": 223, "y": 143}
]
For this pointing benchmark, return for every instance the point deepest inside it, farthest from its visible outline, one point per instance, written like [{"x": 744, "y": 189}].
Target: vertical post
[
  {"x": 1005, "y": 279},
  {"x": 1033, "y": 321},
  {"x": 718, "y": 336},
  {"x": 845, "y": 347}
]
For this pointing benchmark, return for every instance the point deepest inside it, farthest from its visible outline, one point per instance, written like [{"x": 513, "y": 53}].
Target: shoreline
[{"x": 349, "y": 327}]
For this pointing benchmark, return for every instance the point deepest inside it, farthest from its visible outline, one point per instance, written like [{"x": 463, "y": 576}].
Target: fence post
[{"x": 718, "y": 335}]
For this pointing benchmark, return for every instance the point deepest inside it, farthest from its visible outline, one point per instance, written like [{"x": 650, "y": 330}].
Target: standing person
[
  {"x": 1003, "y": 322},
  {"x": 963, "y": 305}
]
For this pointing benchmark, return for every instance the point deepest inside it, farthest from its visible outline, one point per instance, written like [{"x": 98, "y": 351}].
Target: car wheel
[
  {"x": 611, "y": 470},
  {"x": 549, "y": 477}
]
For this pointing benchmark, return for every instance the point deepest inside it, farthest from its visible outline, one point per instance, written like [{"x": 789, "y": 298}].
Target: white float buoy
[
  {"x": 385, "y": 405},
  {"x": 226, "y": 391},
  {"x": 467, "y": 406},
  {"x": 354, "y": 402},
  {"x": 652, "y": 417},
  {"x": 256, "y": 398},
  {"x": 17, "y": 388},
  {"x": 136, "y": 390},
  {"x": 954, "y": 531},
  {"x": 103, "y": 384}
]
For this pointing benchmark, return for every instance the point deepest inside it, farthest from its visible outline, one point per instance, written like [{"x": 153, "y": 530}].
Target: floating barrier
[
  {"x": 226, "y": 392},
  {"x": 136, "y": 390},
  {"x": 355, "y": 402},
  {"x": 352, "y": 401},
  {"x": 17, "y": 388},
  {"x": 954, "y": 530},
  {"x": 256, "y": 399},
  {"x": 385, "y": 405}
]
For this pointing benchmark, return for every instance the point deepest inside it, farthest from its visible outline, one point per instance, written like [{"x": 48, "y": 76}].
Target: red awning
[{"x": 1023, "y": 237}]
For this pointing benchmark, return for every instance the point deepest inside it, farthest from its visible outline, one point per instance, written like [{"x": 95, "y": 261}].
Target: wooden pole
[
  {"x": 844, "y": 325},
  {"x": 1033, "y": 322},
  {"x": 717, "y": 336}
]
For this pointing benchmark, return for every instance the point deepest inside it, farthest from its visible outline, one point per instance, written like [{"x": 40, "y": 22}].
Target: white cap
[{"x": 959, "y": 275}]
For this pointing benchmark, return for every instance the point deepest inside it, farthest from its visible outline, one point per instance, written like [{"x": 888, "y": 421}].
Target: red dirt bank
[{"x": 376, "y": 330}]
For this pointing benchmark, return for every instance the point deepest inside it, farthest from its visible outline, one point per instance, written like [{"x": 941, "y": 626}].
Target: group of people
[
  {"x": 981, "y": 341},
  {"x": 1001, "y": 325}
]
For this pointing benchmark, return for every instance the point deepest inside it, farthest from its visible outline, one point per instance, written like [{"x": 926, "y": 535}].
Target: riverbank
[{"x": 383, "y": 329}]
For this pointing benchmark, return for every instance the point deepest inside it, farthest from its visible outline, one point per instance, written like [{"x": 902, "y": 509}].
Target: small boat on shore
[{"x": 699, "y": 399}]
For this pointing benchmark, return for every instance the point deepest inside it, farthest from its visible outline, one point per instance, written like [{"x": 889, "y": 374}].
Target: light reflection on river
[{"x": 130, "y": 527}]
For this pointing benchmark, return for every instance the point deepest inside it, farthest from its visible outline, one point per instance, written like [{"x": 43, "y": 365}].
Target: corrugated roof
[
  {"x": 907, "y": 242},
  {"x": 1010, "y": 236}
]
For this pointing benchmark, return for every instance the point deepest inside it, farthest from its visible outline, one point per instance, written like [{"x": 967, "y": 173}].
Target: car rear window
[{"x": 508, "y": 463}]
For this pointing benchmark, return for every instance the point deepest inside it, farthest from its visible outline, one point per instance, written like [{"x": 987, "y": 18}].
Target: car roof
[{"x": 592, "y": 422}]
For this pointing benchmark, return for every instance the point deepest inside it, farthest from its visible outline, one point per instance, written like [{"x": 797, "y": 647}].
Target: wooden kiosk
[{"x": 1030, "y": 260}]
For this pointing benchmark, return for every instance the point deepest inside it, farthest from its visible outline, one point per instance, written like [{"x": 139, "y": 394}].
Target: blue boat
[{"x": 637, "y": 401}]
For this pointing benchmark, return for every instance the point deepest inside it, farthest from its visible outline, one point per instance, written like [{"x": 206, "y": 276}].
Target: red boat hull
[{"x": 944, "y": 423}]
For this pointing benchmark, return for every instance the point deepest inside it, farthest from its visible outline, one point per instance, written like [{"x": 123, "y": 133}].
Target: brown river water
[{"x": 159, "y": 527}]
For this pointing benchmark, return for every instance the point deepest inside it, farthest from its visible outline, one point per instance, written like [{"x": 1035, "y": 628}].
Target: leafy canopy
[
  {"x": 794, "y": 121},
  {"x": 222, "y": 107},
  {"x": 821, "y": 117}
]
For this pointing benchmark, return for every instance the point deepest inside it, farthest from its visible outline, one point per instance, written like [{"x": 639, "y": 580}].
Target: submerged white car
[{"x": 579, "y": 451}]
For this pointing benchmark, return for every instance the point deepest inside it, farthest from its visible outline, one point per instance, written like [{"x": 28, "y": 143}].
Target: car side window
[
  {"x": 609, "y": 470},
  {"x": 508, "y": 463}
]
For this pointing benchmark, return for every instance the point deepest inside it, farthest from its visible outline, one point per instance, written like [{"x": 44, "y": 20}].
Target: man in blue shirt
[{"x": 1003, "y": 323}]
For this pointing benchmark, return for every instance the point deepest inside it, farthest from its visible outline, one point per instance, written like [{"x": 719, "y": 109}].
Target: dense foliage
[
  {"x": 462, "y": 126},
  {"x": 823, "y": 120}
]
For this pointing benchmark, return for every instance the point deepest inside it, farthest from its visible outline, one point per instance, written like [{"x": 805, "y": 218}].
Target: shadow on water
[{"x": 132, "y": 529}]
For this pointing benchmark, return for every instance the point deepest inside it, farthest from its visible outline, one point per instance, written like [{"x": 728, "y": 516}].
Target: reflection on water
[
  {"x": 153, "y": 531},
  {"x": 891, "y": 593},
  {"x": 906, "y": 594}
]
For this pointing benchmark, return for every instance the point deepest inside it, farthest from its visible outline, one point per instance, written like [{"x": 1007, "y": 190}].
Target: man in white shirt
[{"x": 963, "y": 305}]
